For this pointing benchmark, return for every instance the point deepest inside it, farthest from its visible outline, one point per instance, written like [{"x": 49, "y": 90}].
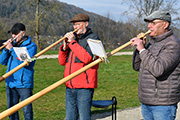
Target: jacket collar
[
  {"x": 89, "y": 31},
  {"x": 25, "y": 40},
  {"x": 162, "y": 36}
]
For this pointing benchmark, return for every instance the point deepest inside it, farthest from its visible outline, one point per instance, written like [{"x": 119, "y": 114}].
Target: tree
[
  {"x": 2, "y": 32},
  {"x": 45, "y": 10},
  {"x": 141, "y": 8},
  {"x": 37, "y": 24}
]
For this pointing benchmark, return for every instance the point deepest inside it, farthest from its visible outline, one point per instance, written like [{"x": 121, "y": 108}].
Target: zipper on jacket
[
  {"x": 87, "y": 78},
  {"x": 70, "y": 68},
  {"x": 22, "y": 79},
  {"x": 156, "y": 89}
]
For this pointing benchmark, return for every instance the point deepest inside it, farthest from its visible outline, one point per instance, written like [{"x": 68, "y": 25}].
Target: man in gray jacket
[{"x": 158, "y": 64}]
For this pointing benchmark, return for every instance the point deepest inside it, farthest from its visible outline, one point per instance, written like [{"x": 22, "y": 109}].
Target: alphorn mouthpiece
[
  {"x": 143, "y": 35},
  {"x": 75, "y": 30},
  {"x": 147, "y": 32}
]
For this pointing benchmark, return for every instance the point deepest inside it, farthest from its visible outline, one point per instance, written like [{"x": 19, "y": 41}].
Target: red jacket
[{"x": 75, "y": 58}]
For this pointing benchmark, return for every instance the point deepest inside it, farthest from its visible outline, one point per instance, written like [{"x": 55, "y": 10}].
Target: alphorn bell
[
  {"x": 3, "y": 77},
  {"x": 20, "y": 105}
]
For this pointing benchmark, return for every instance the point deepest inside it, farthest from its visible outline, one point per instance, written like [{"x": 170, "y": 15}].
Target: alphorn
[
  {"x": 3, "y": 46},
  {"x": 29, "y": 100},
  {"x": 3, "y": 77}
]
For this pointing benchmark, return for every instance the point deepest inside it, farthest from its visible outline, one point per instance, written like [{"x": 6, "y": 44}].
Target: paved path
[
  {"x": 56, "y": 56},
  {"x": 127, "y": 114}
]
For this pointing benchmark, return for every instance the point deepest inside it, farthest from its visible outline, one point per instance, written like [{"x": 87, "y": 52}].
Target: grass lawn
[{"x": 114, "y": 79}]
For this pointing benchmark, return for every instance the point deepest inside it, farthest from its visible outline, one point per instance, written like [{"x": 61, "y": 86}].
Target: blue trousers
[
  {"x": 150, "y": 112},
  {"x": 13, "y": 96},
  {"x": 78, "y": 104}
]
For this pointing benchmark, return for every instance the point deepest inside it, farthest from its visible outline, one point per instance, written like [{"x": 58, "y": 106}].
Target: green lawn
[{"x": 114, "y": 79}]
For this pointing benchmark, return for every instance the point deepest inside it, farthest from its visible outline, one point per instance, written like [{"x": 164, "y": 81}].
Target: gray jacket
[{"x": 159, "y": 70}]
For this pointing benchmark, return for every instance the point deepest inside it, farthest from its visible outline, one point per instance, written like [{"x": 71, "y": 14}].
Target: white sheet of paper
[
  {"x": 22, "y": 53},
  {"x": 97, "y": 48}
]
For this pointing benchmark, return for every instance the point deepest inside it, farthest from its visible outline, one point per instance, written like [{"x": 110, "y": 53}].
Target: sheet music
[
  {"x": 22, "y": 53},
  {"x": 97, "y": 48}
]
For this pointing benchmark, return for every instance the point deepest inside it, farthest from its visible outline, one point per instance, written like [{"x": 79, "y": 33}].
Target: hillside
[
  {"x": 54, "y": 15},
  {"x": 54, "y": 21}
]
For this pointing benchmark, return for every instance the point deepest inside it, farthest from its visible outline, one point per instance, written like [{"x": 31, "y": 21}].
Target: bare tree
[
  {"x": 2, "y": 32},
  {"x": 141, "y": 8},
  {"x": 37, "y": 24},
  {"x": 43, "y": 10}
]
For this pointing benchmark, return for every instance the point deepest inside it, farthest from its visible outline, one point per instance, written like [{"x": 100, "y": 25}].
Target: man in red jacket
[{"x": 75, "y": 53}]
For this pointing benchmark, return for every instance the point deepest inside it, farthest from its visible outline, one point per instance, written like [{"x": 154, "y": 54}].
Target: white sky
[{"x": 101, "y": 7}]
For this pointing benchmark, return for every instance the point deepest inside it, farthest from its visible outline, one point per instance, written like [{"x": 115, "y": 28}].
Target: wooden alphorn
[
  {"x": 3, "y": 46},
  {"x": 3, "y": 77},
  {"x": 20, "y": 105}
]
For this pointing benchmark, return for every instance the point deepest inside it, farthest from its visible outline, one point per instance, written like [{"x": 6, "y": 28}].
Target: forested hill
[
  {"x": 54, "y": 19},
  {"x": 54, "y": 15}
]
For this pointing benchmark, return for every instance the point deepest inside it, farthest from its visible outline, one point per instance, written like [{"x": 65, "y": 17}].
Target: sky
[
  {"x": 101, "y": 7},
  {"x": 114, "y": 8}
]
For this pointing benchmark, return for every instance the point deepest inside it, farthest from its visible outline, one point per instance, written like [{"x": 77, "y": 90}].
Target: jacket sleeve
[
  {"x": 164, "y": 61},
  {"x": 136, "y": 60},
  {"x": 4, "y": 56},
  {"x": 62, "y": 56},
  {"x": 80, "y": 52}
]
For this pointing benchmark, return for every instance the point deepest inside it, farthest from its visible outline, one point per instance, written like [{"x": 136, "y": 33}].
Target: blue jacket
[{"x": 24, "y": 77}]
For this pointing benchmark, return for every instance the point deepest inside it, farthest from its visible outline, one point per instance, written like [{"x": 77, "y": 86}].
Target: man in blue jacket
[{"x": 20, "y": 84}]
